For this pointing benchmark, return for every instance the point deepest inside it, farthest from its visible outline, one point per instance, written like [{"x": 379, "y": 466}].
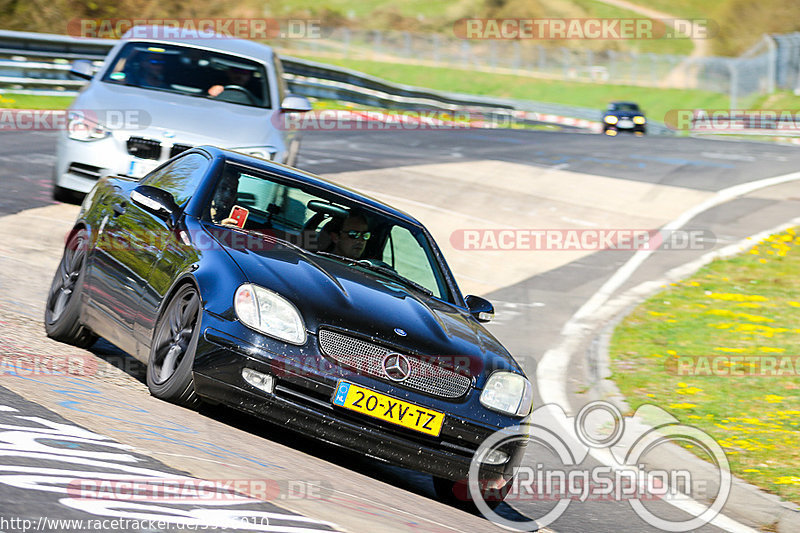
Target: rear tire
[
  {"x": 169, "y": 367},
  {"x": 63, "y": 309}
]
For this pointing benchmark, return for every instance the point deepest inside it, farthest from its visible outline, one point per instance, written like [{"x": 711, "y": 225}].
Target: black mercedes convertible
[{"x": 248, "y": 283}]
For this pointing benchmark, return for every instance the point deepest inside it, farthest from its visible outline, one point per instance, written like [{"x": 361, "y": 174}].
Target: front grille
[
  {"x": 368, "y": 358},
  {"x": 87, "y": 171},
  {"x": 144, "y": 148},
  {"x": 178, "y": 149}
]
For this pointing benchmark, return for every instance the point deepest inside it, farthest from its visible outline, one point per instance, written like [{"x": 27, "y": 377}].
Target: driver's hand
[
  {"x": 215, "y": 90},
  {"x": 229, "y": 222}
]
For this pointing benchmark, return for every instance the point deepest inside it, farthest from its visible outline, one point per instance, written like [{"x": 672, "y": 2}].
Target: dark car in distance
[
  {"x": 624, "y": 117},
  {"x": 220, "y": 271}
]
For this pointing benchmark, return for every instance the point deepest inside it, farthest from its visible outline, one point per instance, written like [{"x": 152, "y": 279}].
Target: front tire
[
  {"x": 456, "y": 493},
  {"x": 169, "y": 367},
  {"x": 63, "y": 309}
]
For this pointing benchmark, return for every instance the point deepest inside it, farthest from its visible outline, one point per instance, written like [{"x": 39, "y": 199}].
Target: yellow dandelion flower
[
  {"x": 734, "y": 297},
  {"x": 683, "y": 405}
]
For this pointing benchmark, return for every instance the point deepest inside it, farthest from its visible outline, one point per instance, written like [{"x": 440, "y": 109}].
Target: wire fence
[{"x": 752, "y": 74}]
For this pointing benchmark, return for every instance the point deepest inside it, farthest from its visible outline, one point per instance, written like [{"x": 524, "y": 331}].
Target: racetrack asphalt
[{"x": 531, "y": 310}]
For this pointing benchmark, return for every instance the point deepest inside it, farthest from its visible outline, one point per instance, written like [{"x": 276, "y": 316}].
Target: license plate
[
  {"x": 138, "y": 169},
  {"x": 625, "y": 124},
  {"x": 388, "y": 409}
]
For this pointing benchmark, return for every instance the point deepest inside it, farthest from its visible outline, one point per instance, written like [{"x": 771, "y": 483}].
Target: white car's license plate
[
  {"x": 625, "y": 123},
  {"x": 140, "y": 167}
]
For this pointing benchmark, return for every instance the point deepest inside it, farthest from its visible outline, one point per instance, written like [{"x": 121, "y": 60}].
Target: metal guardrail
[{"x": 35, "y": 63}]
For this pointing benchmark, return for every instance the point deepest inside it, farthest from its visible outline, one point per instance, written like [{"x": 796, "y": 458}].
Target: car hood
[
  {"x": 330, "y": 293},
  {"x": 180, "y": 117}
]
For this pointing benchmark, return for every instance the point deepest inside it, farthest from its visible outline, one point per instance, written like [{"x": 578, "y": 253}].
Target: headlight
[
  {"x": 264, "y": 152},
  {"x": 639, "y": 120},
  {"x": 269, "y": 313},
  {"x": 610, "y": 119},
  {"x": 508, "y": 393},
  {"x": 80, "y": 128}
]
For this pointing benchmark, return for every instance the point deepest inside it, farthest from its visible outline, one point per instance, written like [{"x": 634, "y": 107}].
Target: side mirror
[
  {"x": 82, "y": 68},
  {"x": 480, "y": 308},
  {"x": 295, "y": 104},
  {"x": 156, "y": 201}
]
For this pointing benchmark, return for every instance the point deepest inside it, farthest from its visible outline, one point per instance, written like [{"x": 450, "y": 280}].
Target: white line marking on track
[{"x": 551, "y": 372}]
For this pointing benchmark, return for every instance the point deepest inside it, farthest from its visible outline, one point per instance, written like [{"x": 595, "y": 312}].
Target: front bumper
[
  {"x": 79, "y": 164},
  {"x": 301, "y": 401}
]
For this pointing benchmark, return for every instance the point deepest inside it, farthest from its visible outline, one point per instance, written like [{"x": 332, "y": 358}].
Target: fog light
[
  {"x": 494, "y": 457},
  {"x": 258, "y": 380}
]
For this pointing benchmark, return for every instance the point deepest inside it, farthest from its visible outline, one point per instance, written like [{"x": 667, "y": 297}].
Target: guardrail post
[
  {"x": 542, "y": 57},
  {"x": 376, "y": 41},
  {"x": 734, "y": 87},
  {"x": 346, "y": 44}
]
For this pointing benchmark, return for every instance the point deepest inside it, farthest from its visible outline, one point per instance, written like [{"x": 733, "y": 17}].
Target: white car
[{"x": 154, "y": 98}]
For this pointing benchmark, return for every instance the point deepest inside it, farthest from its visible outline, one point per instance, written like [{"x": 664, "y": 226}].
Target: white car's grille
[{"x": 144, "y": 148}]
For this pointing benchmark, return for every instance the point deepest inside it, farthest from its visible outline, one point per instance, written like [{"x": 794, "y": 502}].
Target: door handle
[{"x": 119, "y": 209}]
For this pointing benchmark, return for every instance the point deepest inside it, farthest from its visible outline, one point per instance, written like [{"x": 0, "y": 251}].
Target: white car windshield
[{"x": 191, "y": 71}]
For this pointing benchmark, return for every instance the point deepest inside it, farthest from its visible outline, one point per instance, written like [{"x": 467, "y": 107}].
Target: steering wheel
[
  {"x": 378, "y": 263},
  {"x": 237, "y": 89}
]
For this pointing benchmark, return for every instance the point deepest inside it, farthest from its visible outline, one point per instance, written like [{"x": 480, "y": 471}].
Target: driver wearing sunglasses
[{"x": 351, "y": 238}]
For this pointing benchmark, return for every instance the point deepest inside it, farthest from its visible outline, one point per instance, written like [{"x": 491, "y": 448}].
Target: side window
[
  {"x": 409, "y": 259},
  {"x": 180, "y": 178}
]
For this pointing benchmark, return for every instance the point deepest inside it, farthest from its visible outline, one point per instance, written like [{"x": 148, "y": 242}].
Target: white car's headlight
[
  {"x": 269, "y": 313},
  {"x": 508, "y": 393},
  {"x": 80, "y": 128},
  {"x": 264, "y": 152}
]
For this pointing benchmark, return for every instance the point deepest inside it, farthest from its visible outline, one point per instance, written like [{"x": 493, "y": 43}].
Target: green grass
[
  {"x": 655, "y": 102},
  {"x": 597, "y": 9},
  {"x": 27, "y": 101},
  {"x": 748, "y": 305},
  {"x": 779, "y": 101}
]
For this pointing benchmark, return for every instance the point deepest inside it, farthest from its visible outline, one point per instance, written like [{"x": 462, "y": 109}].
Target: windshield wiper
[
  {"x": 364, "y": 263},
  {"x": 387, "y": 271}
]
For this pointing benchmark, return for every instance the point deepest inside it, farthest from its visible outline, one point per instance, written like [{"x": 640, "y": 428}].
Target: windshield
[
  {"x": 623, "y": 107},
  {"x": 328, "y": 226},
  {"x": 191, "y": 71}
]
